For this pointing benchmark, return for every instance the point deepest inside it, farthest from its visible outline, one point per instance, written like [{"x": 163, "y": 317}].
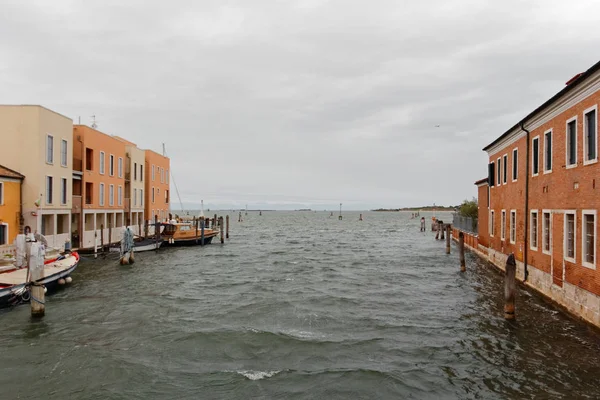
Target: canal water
[{"x": 297, "y": 305}]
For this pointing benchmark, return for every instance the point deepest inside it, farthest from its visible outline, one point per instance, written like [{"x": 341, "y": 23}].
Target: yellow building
[{"x": 10, "y": 205}]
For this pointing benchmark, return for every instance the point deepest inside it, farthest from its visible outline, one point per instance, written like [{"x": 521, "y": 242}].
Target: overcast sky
[{"x": 291, "y": 104}]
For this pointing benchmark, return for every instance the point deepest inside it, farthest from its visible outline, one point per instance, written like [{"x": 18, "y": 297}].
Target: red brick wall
[
  {"x": 550, "y": 191},
  {"x": 482, "y": 215}
]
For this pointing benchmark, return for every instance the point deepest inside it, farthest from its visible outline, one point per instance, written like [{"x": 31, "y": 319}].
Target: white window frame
[
  {"x": 64, "y": 194},
  {"x": 491, "y": 223},
  {"x": 111, "y": 195},
  {"x": 141, "y": 197},
  {"x": 505, "y": 169},
  {"x": 565, "y": 241},
  {"x": 153, "y": 171},
  {"x": 515, "y": 171},
  {"x": 101, "y": 195},
  {"x": 503, "y": 225},
  {"x": 167, "y": 177},
  {"x": 120, "y": 195},
  {"x": 585, "y": 263},
  {"x": 499, "y": 172},
  {"x": 548, "y": 171},
  {"x": 135, "y": 196},
  {"x": 1, "y": 193},
  {"x": 64, "y": 143},
  {"x": 49, "y": 139},
  {"x": 152, "y": 194},
  {"x": 512, "y": 233},
  {"x": 111, "y": 165},
  {"x": 51, "y": 190},
  {"x": 537, "y": 233},
  {"x": 567, "y": 165},
  {"x": 532, "y": 156},
  {"x": 549, "y": 251},
  {"x": 120, "y": 167},
  {"x": 102, "y": 163},
  {"x": 594, "y": 160}
]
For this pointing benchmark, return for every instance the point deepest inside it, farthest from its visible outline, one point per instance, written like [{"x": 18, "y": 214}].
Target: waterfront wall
[{"x": 574, "y": 299}]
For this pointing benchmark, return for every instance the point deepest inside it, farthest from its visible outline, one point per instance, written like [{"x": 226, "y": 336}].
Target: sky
[{"x": 300, "y": 104}]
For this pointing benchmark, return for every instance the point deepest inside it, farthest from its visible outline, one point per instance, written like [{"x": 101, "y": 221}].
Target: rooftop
[{"x": 9, "y": 173}]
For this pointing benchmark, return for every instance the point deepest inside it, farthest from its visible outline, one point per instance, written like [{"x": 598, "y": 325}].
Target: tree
[{"x": 469, "y": 208}]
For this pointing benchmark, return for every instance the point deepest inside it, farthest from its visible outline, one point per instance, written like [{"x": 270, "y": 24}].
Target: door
[{"x": 556, "y": 232}]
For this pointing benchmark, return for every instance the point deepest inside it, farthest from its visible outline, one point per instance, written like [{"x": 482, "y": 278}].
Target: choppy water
[{"x": 301, "y": 306}]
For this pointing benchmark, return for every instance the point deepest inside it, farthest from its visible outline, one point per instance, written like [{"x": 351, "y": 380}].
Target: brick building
[
  {"x": 157, "y": 186},
  {"x": 541, "y": 197}
]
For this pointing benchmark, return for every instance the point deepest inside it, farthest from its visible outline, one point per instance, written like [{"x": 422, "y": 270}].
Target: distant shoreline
[{"x": 428, "y": 208}]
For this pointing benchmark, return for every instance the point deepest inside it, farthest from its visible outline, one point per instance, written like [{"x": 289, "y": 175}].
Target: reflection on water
[{"x": 297, "y": 305}]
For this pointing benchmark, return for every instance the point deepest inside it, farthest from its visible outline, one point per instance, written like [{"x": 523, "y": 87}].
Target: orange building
[
  {"x": 157, "y": 186},
  {"x": 99, "y": 188},
  {"x": 10, "y": 205}
]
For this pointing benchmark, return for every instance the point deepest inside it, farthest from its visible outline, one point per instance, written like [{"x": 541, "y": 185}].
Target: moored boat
[
  {"x": 186, "y": 234},
  {"x": 14, "y": 286},
  {"x": 141, "y": 244}
]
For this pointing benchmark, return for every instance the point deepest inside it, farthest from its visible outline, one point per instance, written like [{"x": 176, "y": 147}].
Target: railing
[{"x": 466, "y": 224}]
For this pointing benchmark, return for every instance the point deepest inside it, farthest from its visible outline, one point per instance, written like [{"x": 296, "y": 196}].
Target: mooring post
[
  {"x": 102, "y": 237},
  {"x": 461, "y": 251},
  {"x": 222, "y": 230},
  {"x": 139, "y": 226},
  {"x": 441, "y": 228},
  {"x": 227, "y": 226},
  {"x": 215, "y": 222},
  {"x": 156, "y": 232},
  {"x": 510, "y": 287},
  {"x": 196, "y": 226},
  {"x": 146, "y": 229},
  {"x": 437, "y": 230},
  {"x": 448, "y": 238},
  {"x": 202, "y": 223},
  {"x": 109, "y": 234},
  {"x": 36, "y": 272}
]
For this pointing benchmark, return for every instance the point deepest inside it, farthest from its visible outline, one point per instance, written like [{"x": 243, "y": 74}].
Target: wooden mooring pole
[
  {"x": 461, "y": 251},
  {"x": 221, "y": 228},
  {"x": 156, "y": 232},
  {"x": 196, "y": 226},
  {"x": 36, "y": 273},
  {"x": 202, "y": 223},
  {"x": 102, "y": 237},
  {"x": 510, "y": 287},
  {"x": 441, "y": 228},
  {"x": 227, "y": 227},
  {"x": 448, "y": 234},
  {"x": 109, "y": 234}
]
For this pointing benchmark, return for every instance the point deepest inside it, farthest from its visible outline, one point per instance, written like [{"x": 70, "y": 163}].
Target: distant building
[
  {"x": 134, "y": 186},
  {"x": 38, "y": 143},
  {"x": 10, "y": 205},
  {"x": 102, "y": 188},
  {"x": 158, "y": 196},
  {"x": 542, "y": 195}
]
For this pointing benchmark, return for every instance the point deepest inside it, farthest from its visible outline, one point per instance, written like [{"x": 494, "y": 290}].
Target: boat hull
[
  {"x": 143, "y": 245},
  {"x": 188, "y": 242}
]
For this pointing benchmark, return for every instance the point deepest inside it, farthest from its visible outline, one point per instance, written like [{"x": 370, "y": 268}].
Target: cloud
[{"x": 311, "y": 102}]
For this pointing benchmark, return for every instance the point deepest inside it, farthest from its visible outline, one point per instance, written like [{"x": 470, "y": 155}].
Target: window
[
  {"x": 505, "y": 169},
  {"x": 570, "y": 236},
  {"x": 89, "y": 192},
  {"x": 548, "y": 152},
  {"x": 120, "y": 195},
  {"x": 491, "y": 174},
  {"x": 3, "y": 234},
  {"x": 120, "y": 167},
  {"x": 498, "y": 165},
  {"x": 535, "y": 156},
  {"x": 134, "y": 171},
  {"x": 101, "y": 194},
  {"x": 534, "y": 230},
  {"x": 63, "y": 191},
  {"x": 1, "y": 193},
  {"x": 135, "y": 197},
  {"x": 572, "y": 142},
  {"x": 89, "y": 159},
  {"x": 492, "y": 223},
  {"x": 167, "y": 177},
  {"x": 160, "y": 170},
  {"x": 141, "y": 197},
  {"x": 513, "y": 226},
  {"x": 49, "y": 183},
  {"x": 152, "y": 172},
  {"x": 591, "y": 135},
  {"x": 515, "y": 165},
  {"x": 503, "y": 225},
  {"x": 63, "y": 153},
  {"x": 49, "y": 149},
  {"x": 141, "y": 172},
  {"x": 546, "y": 229},
  {"x": 588, "y": 238},
  {"x": 167, "y": 196},
  {"x": 152, "y": 195},
  {"x": 111, "y": 195},
  {"x": 111, "y": 165},
  {"x": 102, "y": 162}
]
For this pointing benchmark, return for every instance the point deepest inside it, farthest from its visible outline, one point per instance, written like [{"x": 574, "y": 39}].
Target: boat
[
  {"x": 14, "y": 288},
  {"x": 140, "y": 244},
  {"x": 186, "y": 234}
]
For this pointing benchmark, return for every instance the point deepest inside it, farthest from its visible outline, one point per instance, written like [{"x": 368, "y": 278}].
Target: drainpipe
[{"x": 526, "y": 242}]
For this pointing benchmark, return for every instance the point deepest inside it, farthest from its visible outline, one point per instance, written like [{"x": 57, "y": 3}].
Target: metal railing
[{"x": 466, "y": 224}]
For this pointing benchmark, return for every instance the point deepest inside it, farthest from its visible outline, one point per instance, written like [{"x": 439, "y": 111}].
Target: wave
[{"x": 257, "y": 375}]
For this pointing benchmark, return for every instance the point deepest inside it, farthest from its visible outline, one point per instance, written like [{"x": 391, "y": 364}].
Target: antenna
[
  {"x": 94, "y": 124},
  {"x": 164, "y": 151}
]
